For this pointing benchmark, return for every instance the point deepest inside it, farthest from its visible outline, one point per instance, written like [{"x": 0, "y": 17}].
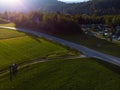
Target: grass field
[
  {"x": 56, "y": 74},
  {"x": 16, "y": 47},
  {"x": 107, "y": 47},
  {"x": 3, "y": 21},
  {"x": 8, "y": 24},
  {"x": 73, "y": 74},
  {"x": 7, "y": 34}
]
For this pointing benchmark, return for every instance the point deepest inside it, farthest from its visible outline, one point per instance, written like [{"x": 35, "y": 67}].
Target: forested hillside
[{"x": 96, "y": 7}]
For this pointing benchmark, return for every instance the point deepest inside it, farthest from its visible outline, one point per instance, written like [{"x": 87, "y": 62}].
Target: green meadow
[
  {"x": 8, "y": 25},
  {"x": 3, "y": 21},
  {"x": 17, "y": 47},
  {"x": 55, "y": 73},
  {"x": 65, "y": 74}
]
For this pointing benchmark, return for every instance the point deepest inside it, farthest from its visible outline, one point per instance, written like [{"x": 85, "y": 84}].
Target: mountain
[
  {"x": 46, "y": 5},
  {"x": 97, "y": 7},
  {"x": 29, "y": 5}
]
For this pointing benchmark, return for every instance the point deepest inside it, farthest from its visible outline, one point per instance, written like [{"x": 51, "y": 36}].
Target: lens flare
[
  {"x": 13, "y": 5},
  {"x": 10, "y": 2}
]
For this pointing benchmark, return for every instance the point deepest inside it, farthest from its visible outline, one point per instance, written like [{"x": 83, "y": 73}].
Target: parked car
[{"x": 118, "y": 39}]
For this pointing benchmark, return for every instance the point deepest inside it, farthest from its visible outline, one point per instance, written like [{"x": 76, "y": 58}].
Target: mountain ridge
[{"x": 92, "y": 7}]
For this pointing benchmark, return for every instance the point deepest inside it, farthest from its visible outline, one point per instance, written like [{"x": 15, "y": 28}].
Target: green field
[
  {"x": 17, "y": 47},
  {"x": 7, "y": 34},
  {"x": 72, "y": 74},
  {"x": 55, "y": 73},
  {"x": 107, "y": 47},
  {"x": 3, "y": 21},
  {"x": 8, "y": 24},
  {"x": 112, "y": 48}
]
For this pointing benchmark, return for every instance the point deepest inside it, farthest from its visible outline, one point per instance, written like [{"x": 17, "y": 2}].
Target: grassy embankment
[
  {"x": 72, "y": 74},
  {"x": 3, "y": 21},
  {"x": 65, "y": 74},
  {"x": 112, "y": 48},
  {"x": 8, "y": 24},
  {"x": 104, "y": 46},
  {"x": 17, "y": 47}
]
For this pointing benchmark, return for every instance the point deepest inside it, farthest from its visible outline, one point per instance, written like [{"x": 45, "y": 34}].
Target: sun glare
[
  {"x": 14, "y": 5},
  {"x": 10, "y": 2}
]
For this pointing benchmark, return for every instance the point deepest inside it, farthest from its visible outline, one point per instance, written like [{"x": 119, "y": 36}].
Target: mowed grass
[
  {"x": 7, "y": 34},
  {"x": 112, "y": 48},
  {"x": 107, "y": 47},
  {"x": 8, "y": 24},
  {"x": 57, "y": 74},
  {"x": 73, "y": 74},
  {"x": 17, "y": 47},
  {"x": 3, "y": 21}
]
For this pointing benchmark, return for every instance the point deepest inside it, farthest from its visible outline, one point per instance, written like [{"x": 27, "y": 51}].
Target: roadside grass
[
  {"x": 104, "y": 46},
  {"x": 57, "y": 74},
  {"x": 3, "y": 21},
  {"x": 72, "y": 74},
  {"x": 7, "y": 34},
  {"x": 8, "y": 24},
  {"x": 117, "y": 42},
  {"x": 17, "y": 47},
  {"x": 101, "y": 45},
  {"x": 100, "y": 35}
]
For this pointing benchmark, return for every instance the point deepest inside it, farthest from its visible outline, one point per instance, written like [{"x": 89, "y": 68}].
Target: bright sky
[
  {"x": 16, "y": 5},
  {"x": 70, "y": 1},
  {"x": 12, "y": 5}
]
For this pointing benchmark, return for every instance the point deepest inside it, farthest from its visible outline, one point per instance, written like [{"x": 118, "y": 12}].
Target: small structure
[
  {"x": 13, "y": 71},
  {"x": 118, "y": 31}
]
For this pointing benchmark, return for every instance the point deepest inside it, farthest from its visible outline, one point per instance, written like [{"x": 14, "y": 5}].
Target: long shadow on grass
[
  {"x": 109, "y": 66},
  {"x": 30, "y": 35},
  {"x": 34, "y": 37},
  {"x": 37, "y": 38}
]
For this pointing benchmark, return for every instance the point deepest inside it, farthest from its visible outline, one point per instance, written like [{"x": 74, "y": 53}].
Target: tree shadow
[
  {"x": 109, "y": 66},
  {"x": 35, "y": 37}
]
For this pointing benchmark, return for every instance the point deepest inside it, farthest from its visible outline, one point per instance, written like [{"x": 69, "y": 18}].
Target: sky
[
  {"x": 12, "y": 5},
  {"x": 72, "y": 1},
  {"x": 22, "y": 5}
]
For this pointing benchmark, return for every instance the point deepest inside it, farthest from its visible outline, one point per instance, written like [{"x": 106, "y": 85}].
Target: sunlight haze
[
  {"x": 12, "y": 5},
  {"x": 72, "y": 1}
]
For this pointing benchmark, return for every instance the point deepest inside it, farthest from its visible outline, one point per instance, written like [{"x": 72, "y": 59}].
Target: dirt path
[{"x": 26, "y": 63}]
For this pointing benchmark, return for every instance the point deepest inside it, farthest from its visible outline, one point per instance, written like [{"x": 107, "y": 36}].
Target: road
[{"x": 86, "y": 51}]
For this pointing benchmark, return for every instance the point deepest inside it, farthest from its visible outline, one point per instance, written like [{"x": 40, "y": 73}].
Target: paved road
[{"x": 87, "y": 51}]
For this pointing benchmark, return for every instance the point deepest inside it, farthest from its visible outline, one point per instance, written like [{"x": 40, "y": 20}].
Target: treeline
[
  {"x": 44, "y": 22},
  {"x": 58, "y": 23},
  {"x": 108, "y": 20},
  {"x": 3, "y": 21}
]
